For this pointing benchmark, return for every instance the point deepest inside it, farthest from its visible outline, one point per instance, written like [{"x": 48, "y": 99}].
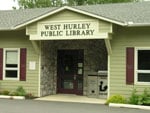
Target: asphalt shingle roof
[
  {"x": 137, "y": 13},
  {"x": 12, "y": 18},
  {"x": 123, "y": 12}
]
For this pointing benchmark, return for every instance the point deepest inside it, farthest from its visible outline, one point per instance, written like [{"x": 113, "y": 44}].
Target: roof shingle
[{"x": 136, "y": 13}]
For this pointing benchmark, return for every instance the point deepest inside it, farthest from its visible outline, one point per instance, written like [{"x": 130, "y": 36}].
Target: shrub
[
  {"x": 146, "y": 101},
  {"x": 134, "y": 98},
  {"x": 29, "y": 96},
  {"x": 20, "y": 91},
  {"x": 5, "y": 92},
  {"x": 116, "y": 99},
  {"x": 140, "y": 99},
  {"x": 13, "y": 94}
]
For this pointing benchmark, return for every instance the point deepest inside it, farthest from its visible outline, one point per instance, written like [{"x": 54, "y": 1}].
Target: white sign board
[
  {"x": 67, "y": 30},
  {"x": 32, "y": 65}
]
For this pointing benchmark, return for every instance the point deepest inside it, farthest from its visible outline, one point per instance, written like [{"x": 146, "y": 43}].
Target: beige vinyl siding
[
  {"x": 17, "y": 39},
  {"x": 31, "y": 29},
  {"x": 105, "y": 27},
  {"x": 66, "y": 15},
  {"x": 125, "y": 37}
]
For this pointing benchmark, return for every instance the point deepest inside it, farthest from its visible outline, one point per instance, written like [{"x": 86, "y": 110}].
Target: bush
[
  {"x": 140, "y": 99},
  {"x": 134, "y": 98},
  {"x": 146, "y": 100},
  {"x": 5, "y": 92},
  {"x": 116, "y": 99},
  {"x": 29, "y": 96},
  {"x": 20, "y": 91},
  {"x": 13, "y": 94}
]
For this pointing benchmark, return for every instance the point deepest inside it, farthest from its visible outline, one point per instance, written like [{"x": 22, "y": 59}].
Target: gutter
[
  {"x": 125, "y": 24},
  {"x": 132, "y": 24},
  {"x": 9, "y": 29}
]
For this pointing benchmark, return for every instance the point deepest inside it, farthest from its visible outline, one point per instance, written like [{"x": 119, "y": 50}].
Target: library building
[{"x": 92, "y": 50}]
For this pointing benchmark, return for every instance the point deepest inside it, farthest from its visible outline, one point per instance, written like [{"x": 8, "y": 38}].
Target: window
[
  {"x": 142, "y": 69},
  {"x": 11, "y": 64}
]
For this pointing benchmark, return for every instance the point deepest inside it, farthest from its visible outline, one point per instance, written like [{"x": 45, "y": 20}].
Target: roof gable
[{"x": 70, "y": 9}]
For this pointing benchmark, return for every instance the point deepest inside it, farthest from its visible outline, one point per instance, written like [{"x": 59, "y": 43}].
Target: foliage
[
  {"x": 20, "y": 91},
  {"x": 13, "y": 94},
  {"x": 146, "y": 101},
  {"x": 116, "y": 99},
  {"x": 53, "y": 3},
  {"x": 140, "y": 99},
  {"x": 5, "y": 92},
  {"x": 89, "y": 2},
  {"x": 39, "y": 3},
  {"x": 29, "y": 96},
  {"x": 134, "y": 97}
]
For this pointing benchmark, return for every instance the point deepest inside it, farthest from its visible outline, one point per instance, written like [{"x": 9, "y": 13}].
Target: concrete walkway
[{"x": 72, "y": 98}]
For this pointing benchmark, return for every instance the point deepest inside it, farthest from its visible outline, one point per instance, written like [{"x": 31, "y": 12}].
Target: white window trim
[
  {"x": 4, "y": 68},
  {"x": 136, "y": 82}
]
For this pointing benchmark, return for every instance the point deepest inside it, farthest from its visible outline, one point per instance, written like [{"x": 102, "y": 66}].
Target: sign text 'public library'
[{"x": 70, "y": 29}]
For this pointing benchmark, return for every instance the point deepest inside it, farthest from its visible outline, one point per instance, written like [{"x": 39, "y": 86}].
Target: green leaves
[
  {"x": 116, "y": 99},
  {"x": 136, "y": 98},
  {"x": 20, "y": 91},
  {"x": 140, "y": 99},
  {"x": 23, "y": 4}
]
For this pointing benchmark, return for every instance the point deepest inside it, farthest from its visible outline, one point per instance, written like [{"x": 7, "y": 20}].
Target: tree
[
  {"x": 76, "y": 2},
  {"x": 51, "y": 3},
  {"x": 39, "y": 3},
  {"x": 108, "y": 1}
]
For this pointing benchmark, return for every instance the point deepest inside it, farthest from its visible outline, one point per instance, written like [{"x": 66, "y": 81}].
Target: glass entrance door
[{"x": 70, "y": 71}]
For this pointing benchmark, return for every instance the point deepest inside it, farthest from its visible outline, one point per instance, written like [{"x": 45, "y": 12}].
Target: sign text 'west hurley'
[{"x": 67, "y": 29}]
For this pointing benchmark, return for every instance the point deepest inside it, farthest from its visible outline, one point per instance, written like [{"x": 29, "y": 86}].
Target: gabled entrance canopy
[
  {"x": 67, "y": 23},
  {"x": 76, "y": 25},
  {"x": 73, "y": 10}
]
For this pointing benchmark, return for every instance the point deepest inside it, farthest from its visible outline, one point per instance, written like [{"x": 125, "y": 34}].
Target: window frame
[
  {"x": 4, "y": 64},
  {"x": 136, "y": 71}
]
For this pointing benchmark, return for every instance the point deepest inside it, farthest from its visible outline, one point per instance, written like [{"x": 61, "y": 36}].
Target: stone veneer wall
[{"x": 95, "y": 58}]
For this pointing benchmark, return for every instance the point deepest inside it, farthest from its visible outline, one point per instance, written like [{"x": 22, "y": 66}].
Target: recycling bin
[{"x": 92, "y": 86}]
